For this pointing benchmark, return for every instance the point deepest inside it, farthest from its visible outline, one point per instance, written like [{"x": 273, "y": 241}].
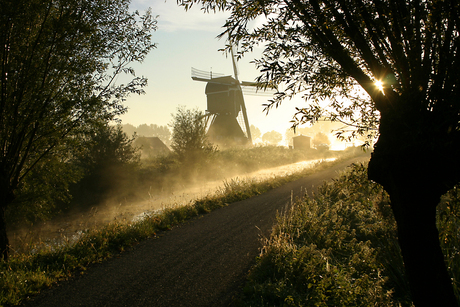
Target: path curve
[{"x": 203, "y": 262}]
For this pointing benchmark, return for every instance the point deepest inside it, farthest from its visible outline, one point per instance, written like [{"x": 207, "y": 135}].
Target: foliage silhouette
[
  {"x": 189, "y": 141},
  {"x": 60, "y": 61}
]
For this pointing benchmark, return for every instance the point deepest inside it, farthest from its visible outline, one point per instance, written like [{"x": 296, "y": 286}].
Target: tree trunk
[
  {"x": 4, "y": 243},
  {"x": 416, "y": 160},
  {"x": 418, "y": 237},
  {"x": 416, "y": 173},
  {"x": 6, "y": 198}
]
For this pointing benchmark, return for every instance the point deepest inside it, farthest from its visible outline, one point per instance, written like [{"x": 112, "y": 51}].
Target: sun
[{"x": 379, "y": 85}]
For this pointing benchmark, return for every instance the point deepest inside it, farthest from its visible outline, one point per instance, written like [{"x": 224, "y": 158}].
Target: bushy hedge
[{"x": 340, "y": 249}]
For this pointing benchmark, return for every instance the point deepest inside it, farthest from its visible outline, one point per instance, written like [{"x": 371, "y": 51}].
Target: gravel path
[{"x": 201, "y": 263}]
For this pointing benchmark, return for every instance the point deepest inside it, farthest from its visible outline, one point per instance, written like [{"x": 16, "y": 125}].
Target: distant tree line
[{"x": 320, "y": 133}]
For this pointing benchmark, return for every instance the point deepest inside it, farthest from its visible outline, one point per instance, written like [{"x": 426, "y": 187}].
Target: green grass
[
  {"x": 340, "y": 249},
  {"x": 26, "y": 274}
]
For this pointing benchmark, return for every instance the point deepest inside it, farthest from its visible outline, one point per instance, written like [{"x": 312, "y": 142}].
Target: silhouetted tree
[
  {"x": 272, "y": 137},
  {"x": 335, "y": 52},
  {"x": 320, "y": 138},
  {"x": 189, "y": 140},
  {"x": 45, "y": 189},
  {"x": 129, "y": 129},
  {"x": 59, "y": 62},
  {"x": 107, "y": 159}
]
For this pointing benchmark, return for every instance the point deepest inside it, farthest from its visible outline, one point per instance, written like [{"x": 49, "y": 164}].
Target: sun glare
[{"x": 379, "y": 85}]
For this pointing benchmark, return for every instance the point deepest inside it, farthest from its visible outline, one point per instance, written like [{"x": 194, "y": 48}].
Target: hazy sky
[{"x": 185, "y": 40}]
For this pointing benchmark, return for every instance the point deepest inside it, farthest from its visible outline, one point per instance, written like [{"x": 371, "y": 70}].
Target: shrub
[
  {"x": 109, "y": 162},
  {"x": 189, "y": 140}
]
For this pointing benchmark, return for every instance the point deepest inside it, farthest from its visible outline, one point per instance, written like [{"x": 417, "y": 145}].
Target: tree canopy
[
  {"x": 272, "y": 137},
  {"x": 189, "y": 140},
  {"x": 255, "y": 132},
  {"x": 59, "y": 65},
  {"x": 329, "y": 50},
  {"x": 321, "y": 139}
]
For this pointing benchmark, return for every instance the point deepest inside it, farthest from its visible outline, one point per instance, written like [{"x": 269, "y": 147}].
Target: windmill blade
[
  {"x": 252, "y": 90},
  {"x": 205, "y": 76},
  {"x": 248, "y": 83},
  {"x": 259, "y": 86},
  {"x": 235, "y": 68},
  {"x": 239, "y": 99}
]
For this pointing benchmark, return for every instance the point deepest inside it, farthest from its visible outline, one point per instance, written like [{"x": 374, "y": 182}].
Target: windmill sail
[
  {"x": 206, "y": 76},
  {"x": 240, "y": 99},
  {"x": 235, "y": 68}
]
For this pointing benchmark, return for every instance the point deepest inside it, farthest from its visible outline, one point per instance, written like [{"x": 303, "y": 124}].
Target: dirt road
[{"x": 201, "y": 263}]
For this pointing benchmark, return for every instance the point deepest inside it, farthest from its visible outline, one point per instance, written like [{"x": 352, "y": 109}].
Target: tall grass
[
  {"x": 27, "y": 273},
  {"x": 340, "y": 249}
]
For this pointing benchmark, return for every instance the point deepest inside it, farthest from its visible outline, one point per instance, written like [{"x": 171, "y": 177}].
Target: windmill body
[
  {"x": 222, "y": 96},
  {"x": 224, "y": 102},
  {"x": 228, "y": 122}
]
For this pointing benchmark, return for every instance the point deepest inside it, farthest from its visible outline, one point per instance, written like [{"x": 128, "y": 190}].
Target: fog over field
[{"x": 70, "y": 226}]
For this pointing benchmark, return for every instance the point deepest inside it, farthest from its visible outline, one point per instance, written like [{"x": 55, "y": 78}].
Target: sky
[{"x": 185, "y": 40}]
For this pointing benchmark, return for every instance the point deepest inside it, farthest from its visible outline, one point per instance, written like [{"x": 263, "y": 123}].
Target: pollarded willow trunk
[
  {"x": 414, "y": 209},
  {"x": 416, "y": 169},
  {"x": 4, "y": 242},
  {"x": 6, "y": 198},
  {"x": 415, "y": 213}
]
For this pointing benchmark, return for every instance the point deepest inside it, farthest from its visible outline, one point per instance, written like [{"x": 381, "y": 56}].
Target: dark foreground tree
[
  {"x": 329, "y": 51},
  {"x": 108, "y": 160},
  {"x": 45, "y": 190},
  {"x": 59, "y": 61}
]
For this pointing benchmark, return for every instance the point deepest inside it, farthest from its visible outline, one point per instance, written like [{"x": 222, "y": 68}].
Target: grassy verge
[
  {"x": 340, "y": 249},
  {"x": 130, "y": 183},
  {"x": 26, "y": 274}
]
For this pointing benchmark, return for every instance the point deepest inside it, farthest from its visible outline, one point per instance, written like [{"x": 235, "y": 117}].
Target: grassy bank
[
  {"x": 169, "y": 174},
  {"x": 340, "y": 249},
  {"x": 113, "y": 191},
  {"x": 28, "y": 273}
]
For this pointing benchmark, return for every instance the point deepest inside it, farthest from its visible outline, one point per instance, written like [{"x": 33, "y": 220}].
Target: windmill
[{"x": 228, "y": 120}]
